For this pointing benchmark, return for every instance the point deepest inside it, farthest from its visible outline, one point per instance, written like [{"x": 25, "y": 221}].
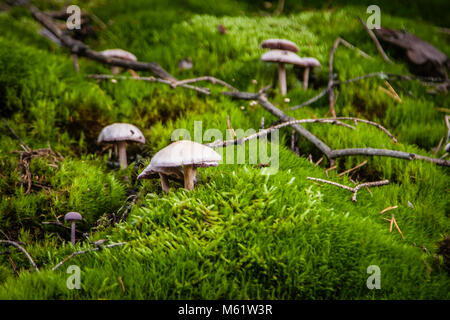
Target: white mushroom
[
  {"x": 280, "y": 44},
  {"x": 307, "y": 63},
  {"x": 119, "y": 54},
  {"x": 281, "y": 57},
  {"x": 180, "y": 160},
  {"x": 120, "y": 133}
]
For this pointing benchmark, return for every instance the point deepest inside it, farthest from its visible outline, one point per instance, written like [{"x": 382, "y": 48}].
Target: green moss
[{"x": 240, "y": 234}]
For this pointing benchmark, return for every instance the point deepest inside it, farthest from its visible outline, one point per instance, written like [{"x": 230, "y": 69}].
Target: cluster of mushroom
[
  {"x": 178, "y": 160},
  {"x": 284, "y": 52}
]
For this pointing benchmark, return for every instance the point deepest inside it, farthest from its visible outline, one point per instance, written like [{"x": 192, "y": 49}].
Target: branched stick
[
  {"x": 264, "y": 132},
  {"x": 355, "y": 189},
  {"x": 18, "y": 246},
  {"x": 324, "y": 148},
  {"x": 86, "y": 251},
  {"x": 379, "y": 126},
  {"x": 150, "y": 79},
  {"x": 205, "y": 78},
  {"x": 79, "y": 48}
]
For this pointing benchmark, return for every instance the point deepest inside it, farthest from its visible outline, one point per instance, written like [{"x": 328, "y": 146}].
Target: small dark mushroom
[{"x": 73, "y": 217}]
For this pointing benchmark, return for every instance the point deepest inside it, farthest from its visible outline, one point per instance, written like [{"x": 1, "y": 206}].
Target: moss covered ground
[{"x": 240, "y": 234}]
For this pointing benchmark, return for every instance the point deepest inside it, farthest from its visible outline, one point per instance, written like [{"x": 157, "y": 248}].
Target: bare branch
[
  {"x": 86, "y": 251},
  {"x": 264, "y": 132},
  {"x": 79, "y": 48},
  {"x": 355, "y": 189},
  {"x": 377, "y": 43},
  {"x": 205, "y": 78},
  {"x": 18, "y": 246},
  {"x": 149, "y": 79}
]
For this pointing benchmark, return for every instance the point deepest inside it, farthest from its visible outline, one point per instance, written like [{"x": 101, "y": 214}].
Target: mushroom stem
[
  {"x": 75, "y": 62},
  {"x": 164, "y": 182},
  {"x": 282, "y": 78},
  {"x": 72, "y": 234},
  {"x": 122, "y": 145},
  {"x": 189, "y": 176},
  {"x": 305, "y": 78},
  {"x": 115, "y": 70}
]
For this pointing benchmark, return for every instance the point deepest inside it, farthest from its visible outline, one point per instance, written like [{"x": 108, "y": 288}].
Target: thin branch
[
  {"x": 205, "y": 78},
  {"x": 353, "y": 169},
  {"x": 264, "y": 132},
  {"x": 350, "y": 46},
  {"x": 375, "y": 40},
  {"x": 86, "y": 251},
  {"x": 355, "y": 189},
  {"x": 379, "y": 126},
  {"x": 18, "y": 246},
  {"x": 388, "y": 209},
  {"x": 27, "y": 148},
  {"x": 149, "y": 79}
]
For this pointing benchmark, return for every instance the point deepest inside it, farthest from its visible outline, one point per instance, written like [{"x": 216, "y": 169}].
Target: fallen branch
[
  {"x": 379, "y": 126},
  {"x": 86, "y": 251},
  {"x": 355, "y": 189},
  {"x": 18, "y": 246},
  {"x": 205, "y": 78},
  {"x": 79, "y": 48},
  {"x": 149, "y": 79},
  {"x": 264, "y": 132}
]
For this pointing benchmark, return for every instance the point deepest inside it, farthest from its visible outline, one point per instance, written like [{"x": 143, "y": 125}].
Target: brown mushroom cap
[
  {"x": 309, "y": 62},
  {"x": 181, "y": 153},
  {"x": 279, "y": 44},
  {"x": 282, "y": 56},
  {"x": 120, "y": 132},
  {"x": 73, "y": 216},
  {"x": 119, "y": 54}
]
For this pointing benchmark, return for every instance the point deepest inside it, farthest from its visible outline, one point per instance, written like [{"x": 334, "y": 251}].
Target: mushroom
[
  {"x": 180, "y": 160},
  {"x": 119, "y": 54},
  {"x": 120, "y": 133},
  {"x": 307, "y": 63},
  {"x": 282, "y": 57},
  {"x": 73, "y": 217},
  {"x": 279, "y": 44}
]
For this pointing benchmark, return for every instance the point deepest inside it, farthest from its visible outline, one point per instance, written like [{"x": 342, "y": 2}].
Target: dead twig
[
  {"x": 18, "y": 246},
  {"x": 355, "y": 189},
  {"x": 86, "y": 251},
  {"x": 149, "y": 79},
  {"x": 204, "y": 78},
  {"x": 264, "y": 132},
  {"x": 353, "y": 169},
  {"x": 375, "y": 40},
  {"x": 388, "y": 209}
]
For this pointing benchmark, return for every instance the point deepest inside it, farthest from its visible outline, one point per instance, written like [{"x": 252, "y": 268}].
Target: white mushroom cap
[
  {"x": 181, "y": 153},
  {"x": 121, "y": 132},
  {"x": 309, "y": 62},
  {"x": 280, "y": 44},
  {"x": 282, "y": 56},
  {"x": 119, "y": 53}
]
